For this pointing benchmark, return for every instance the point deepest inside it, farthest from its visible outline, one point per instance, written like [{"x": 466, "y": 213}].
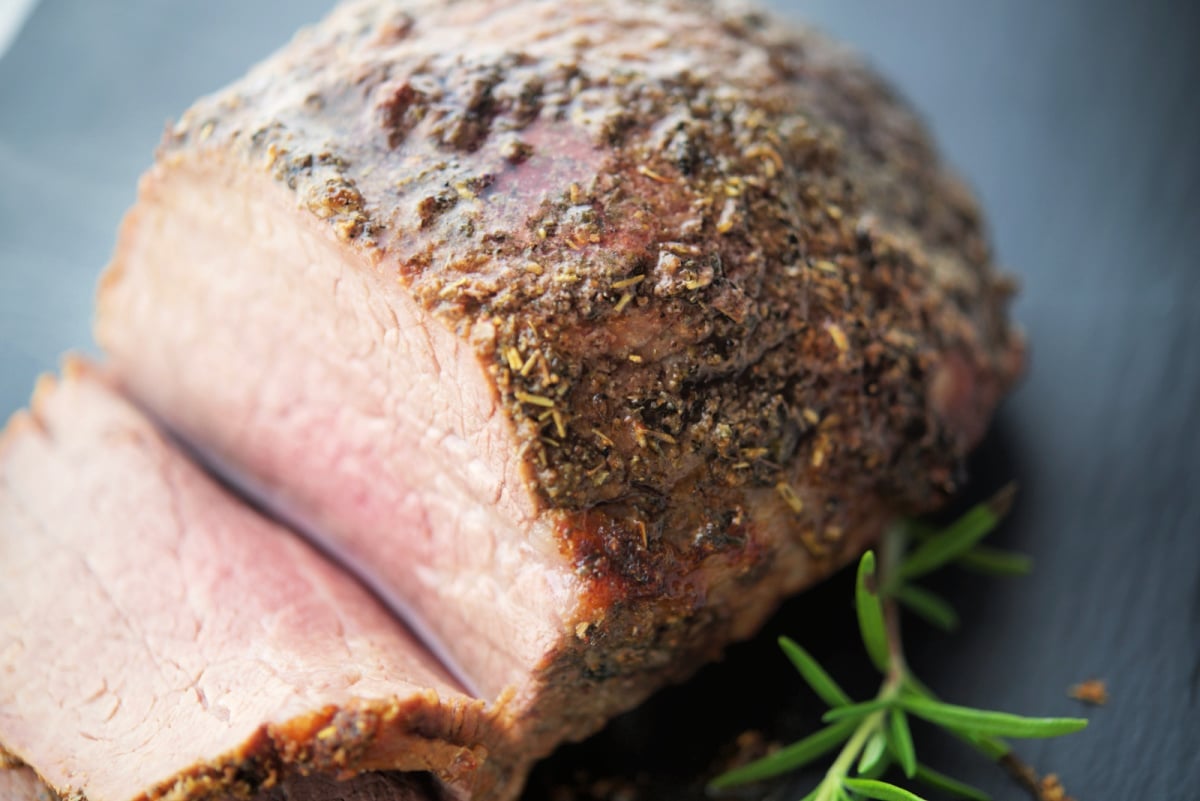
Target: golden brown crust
[
  {"x": 400, "y": 736},
  {"x": 20, "y": 783}
]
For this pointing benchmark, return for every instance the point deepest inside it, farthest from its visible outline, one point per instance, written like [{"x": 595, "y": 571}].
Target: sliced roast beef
[
  {"x": 159, "y": 640},
  {"x": 586, "y": 331},
  {"x": 21, "y": 783}
]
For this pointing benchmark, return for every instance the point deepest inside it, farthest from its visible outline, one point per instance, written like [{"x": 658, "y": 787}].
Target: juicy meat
[
  {"x": 162, "y": 641},
  {"x": 585, "y": 331}
]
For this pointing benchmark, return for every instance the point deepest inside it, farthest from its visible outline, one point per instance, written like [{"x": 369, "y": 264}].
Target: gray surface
[
  {"x": 1077, "y": 122},
  {"x": 85, "y": 92}
]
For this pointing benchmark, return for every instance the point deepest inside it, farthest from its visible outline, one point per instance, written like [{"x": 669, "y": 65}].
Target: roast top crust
[{"x": 694, "y": 248}]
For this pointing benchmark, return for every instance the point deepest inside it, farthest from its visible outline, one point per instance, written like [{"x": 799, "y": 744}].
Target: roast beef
[
  {"x": 584, "y": 330},
  {"x": 160, "y": 640},
  {"x": 20, "y": 783}
]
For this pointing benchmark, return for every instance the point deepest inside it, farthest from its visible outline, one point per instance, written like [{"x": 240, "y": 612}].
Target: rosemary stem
[
  {"x": 840, "y": 768},
  {"x": 891, "y": 550}
]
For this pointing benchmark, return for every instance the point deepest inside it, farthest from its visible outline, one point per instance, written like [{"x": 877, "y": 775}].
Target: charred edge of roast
[
  {"x": 335, "y": 742},
  {"x": 381, "y": 786}
]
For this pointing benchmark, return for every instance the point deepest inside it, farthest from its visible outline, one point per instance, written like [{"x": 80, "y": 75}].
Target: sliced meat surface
[
  {"x": 22, "y": 784},
  {"x": 160, "y": 640},
  {"x": 585, "y": 331}
]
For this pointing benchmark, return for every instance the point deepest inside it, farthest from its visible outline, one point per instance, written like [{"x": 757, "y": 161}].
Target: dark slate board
[{"x": 1077, "y": 121}]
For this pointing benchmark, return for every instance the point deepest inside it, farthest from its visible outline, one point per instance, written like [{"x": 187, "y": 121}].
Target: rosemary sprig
[{"x": 872, "y": 737}]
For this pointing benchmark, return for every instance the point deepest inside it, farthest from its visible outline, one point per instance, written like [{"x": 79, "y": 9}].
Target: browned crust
[
  {"x": 9, "y": 760},
  {"x": 409, "y": 735},
  {"x": 644, "y": 623},
  {"x": 374, "y": 786},
  {"x": 338, "y": 743}
]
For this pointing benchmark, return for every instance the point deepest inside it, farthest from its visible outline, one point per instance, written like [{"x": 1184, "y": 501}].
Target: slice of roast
[
  {"x": 586, "y": 331},
  {"x": 159, "y": 640},
  {"x": 22, "y": 784}
]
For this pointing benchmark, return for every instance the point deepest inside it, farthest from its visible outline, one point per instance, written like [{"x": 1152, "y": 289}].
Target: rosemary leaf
[
  {"x": 914, "y": 686},
  {"x": 882, "y": 791},
  {"x": 880, "y": 768},
  {"x": 856, "y": 711},
  {"x": 940, "y": 781},
  {"x": 820, "y": 681},
  {"x": 900, "y": 738},
  {"x": 933, "y": 608},
  {"x": 995, "y": 562},
  {"x": 986, "y": 722},
  {"x": 956, "y": 539},
  {"x": 870, "y": 613},
  {"x": 873, "y": 753},
  {"x": 789, "y": 758},
  {"x": 991, "y": 747}
]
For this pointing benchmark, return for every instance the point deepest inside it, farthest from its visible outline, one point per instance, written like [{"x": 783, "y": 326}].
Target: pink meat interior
[{"x": 357, "y": 413}]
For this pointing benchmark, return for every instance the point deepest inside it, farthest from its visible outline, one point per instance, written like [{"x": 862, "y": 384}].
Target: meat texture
[
  {"x": 159, "y": 640},
  {"x": 21, "y": 783},
  {"x": 585, "y": 331}
]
